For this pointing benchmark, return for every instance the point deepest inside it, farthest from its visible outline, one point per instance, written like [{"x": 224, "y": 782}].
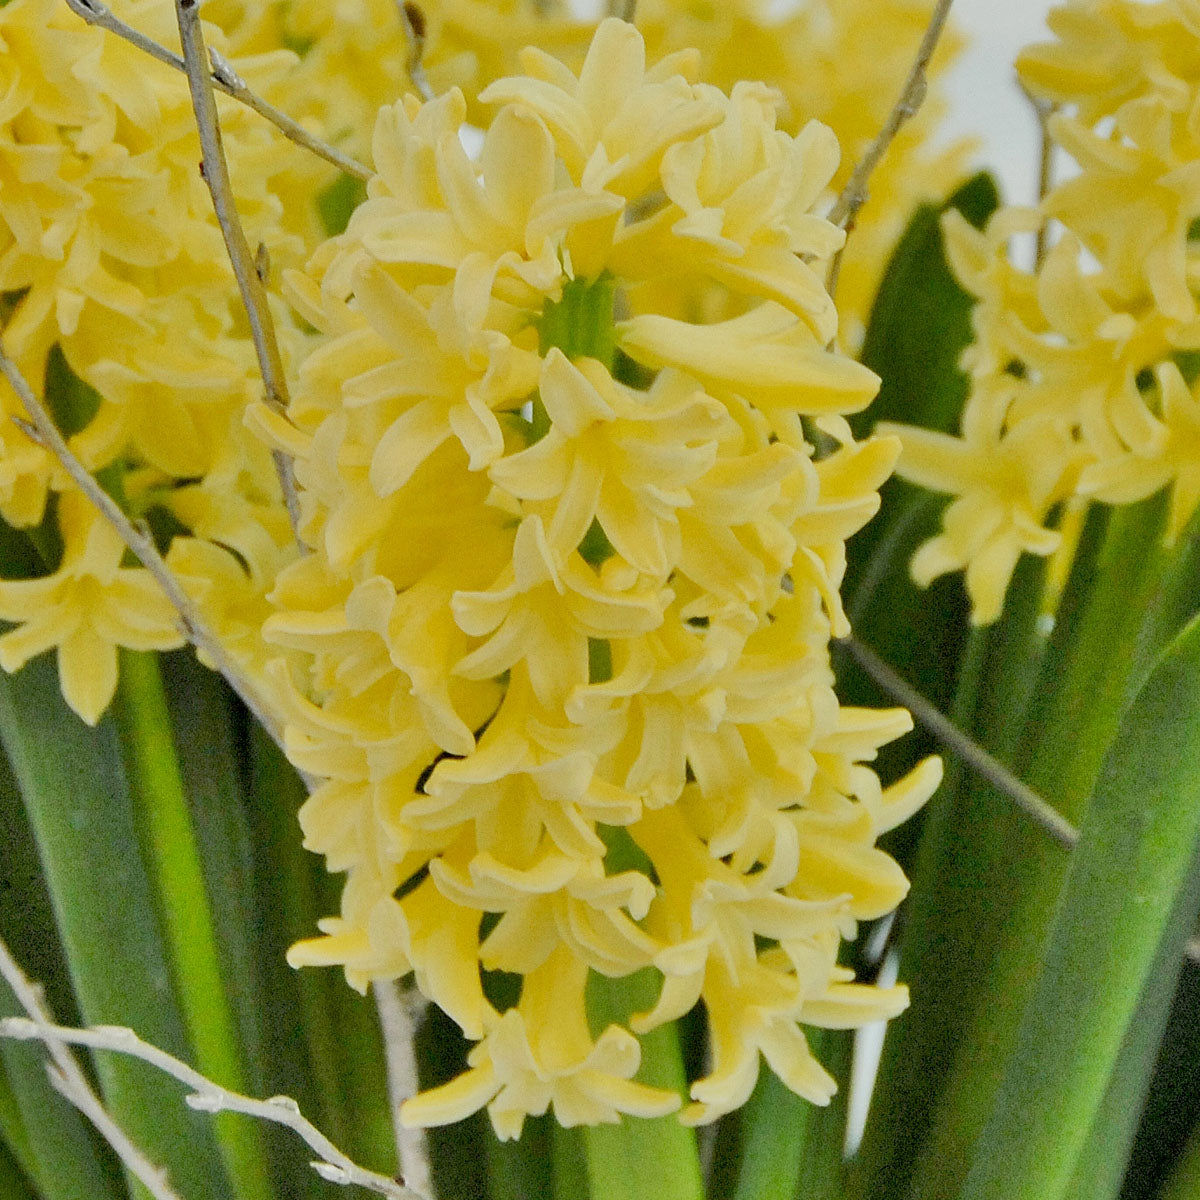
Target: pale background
[{"x": 983, "y": 97}]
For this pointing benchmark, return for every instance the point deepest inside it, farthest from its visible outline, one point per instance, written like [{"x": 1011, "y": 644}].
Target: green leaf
[
  {"x": 921, "y": 320},
  {"x": 301, "y": 1042},
  {"x": 168, "y": 839},
  {"x": 247, "y": 837},
  {"x": 14, "y": 1184},
  {"x": 569, "y": 1161},
  {"x": 344, "y": 1088},
  {"x": 1172, "y": 1109},
  {"x": 458, "y": 1167},
  {"x": 1092, "y": 680},
  {"x": 1156, "y": 1070},
  {"x": 920, "y": 324},
  {"x": 82, "y": 816},
  {"x": 972, "y": 848},
  {"x": 1184, "y": 1182},
  {"x": 1104, "y": 1159},
  {"x": 774, "y": 1141},
  {"x": 204, "y": 741},
  {"x": 1011, "y": 871},
  {"x": 54, "y": 1144},
  {"x": 1138, "y": 842}
]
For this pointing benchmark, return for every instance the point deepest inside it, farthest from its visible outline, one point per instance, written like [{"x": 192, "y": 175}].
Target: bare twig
[
  {"x": 974, "y": 755},
  {"x": 209, "y": 1097},
  {"x": 225, "y": 78},
  {"x": 216, "y": 175},
  {"x": 412, "y": 21},
  {"x": 854, "y": 195},
  {"x": 194, "y": 627},
  {"x": 67, "y": 1078},
  {"x": 400, "y": 1009},
  {"x": 1043, "y": 110}
]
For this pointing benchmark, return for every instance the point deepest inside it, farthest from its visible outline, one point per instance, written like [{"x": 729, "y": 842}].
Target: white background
[{"x": 983, "y": 97}]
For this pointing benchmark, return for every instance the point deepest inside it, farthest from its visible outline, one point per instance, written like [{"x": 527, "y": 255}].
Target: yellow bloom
[
  {"x": 1172, "y": 458},
  {"x": 539, "y": 1055},
  {"x": 1060, "y": 407},
  {"x": 86, "y": 608},
  {"x": 623, "y": 458},
  {"x": 1006, "y": 484},
  {"x": 574, "y": 581}
]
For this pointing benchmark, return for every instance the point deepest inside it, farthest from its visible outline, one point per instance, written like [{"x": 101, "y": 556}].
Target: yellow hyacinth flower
[
  {"x": 1063, "y": 410},
  {"x": 118, "y": 292},
  {"x": 86, "y": 608},
  {"x": 841, "y": 62},
  {"x": 558, "y": 663}
]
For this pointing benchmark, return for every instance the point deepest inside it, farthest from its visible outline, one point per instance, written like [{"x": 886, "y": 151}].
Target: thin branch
[
  {"x": 225, "y": 78},
  {"x": 68, "y": 1079},
  {"x": 254, "y": 294},
  {"x": 854, "y": 195},
  {"x": 974, "y": 755},
  {"x": 400, "y": 1009},
  {"x": 412, "y": 20},
  {"x": 1043, "y": 110},
  {"x": 195, "y": 629},
  {"x": 209, "y": 1097}
]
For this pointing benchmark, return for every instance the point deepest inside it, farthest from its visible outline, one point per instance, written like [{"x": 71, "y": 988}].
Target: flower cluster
[
  {"x": 559, "y": 659},
  {"x": 841, "y": 62},
  {"x": 1081, "y": 381},
  {"x": 118, "y": 304}
]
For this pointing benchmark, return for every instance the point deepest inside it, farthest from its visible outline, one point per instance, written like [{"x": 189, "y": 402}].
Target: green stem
[
  {"x": 789, "y": 1147},
  {"x": 169, "y": 843},
  {"x": 1138, "y": 842},
  {"x": 569, "y": 1161},
  {"x": 522, "y": 1169},
  {"x": 642, "y": 1159},
  {"x": 287, "y": 886}
]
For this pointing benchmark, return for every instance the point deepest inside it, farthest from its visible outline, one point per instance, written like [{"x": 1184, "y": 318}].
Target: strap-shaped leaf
[
  {"x": 50, "y": 1142},
  {"x": 81, "y": 813},
  {"x": 1137, "y": 845}
]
